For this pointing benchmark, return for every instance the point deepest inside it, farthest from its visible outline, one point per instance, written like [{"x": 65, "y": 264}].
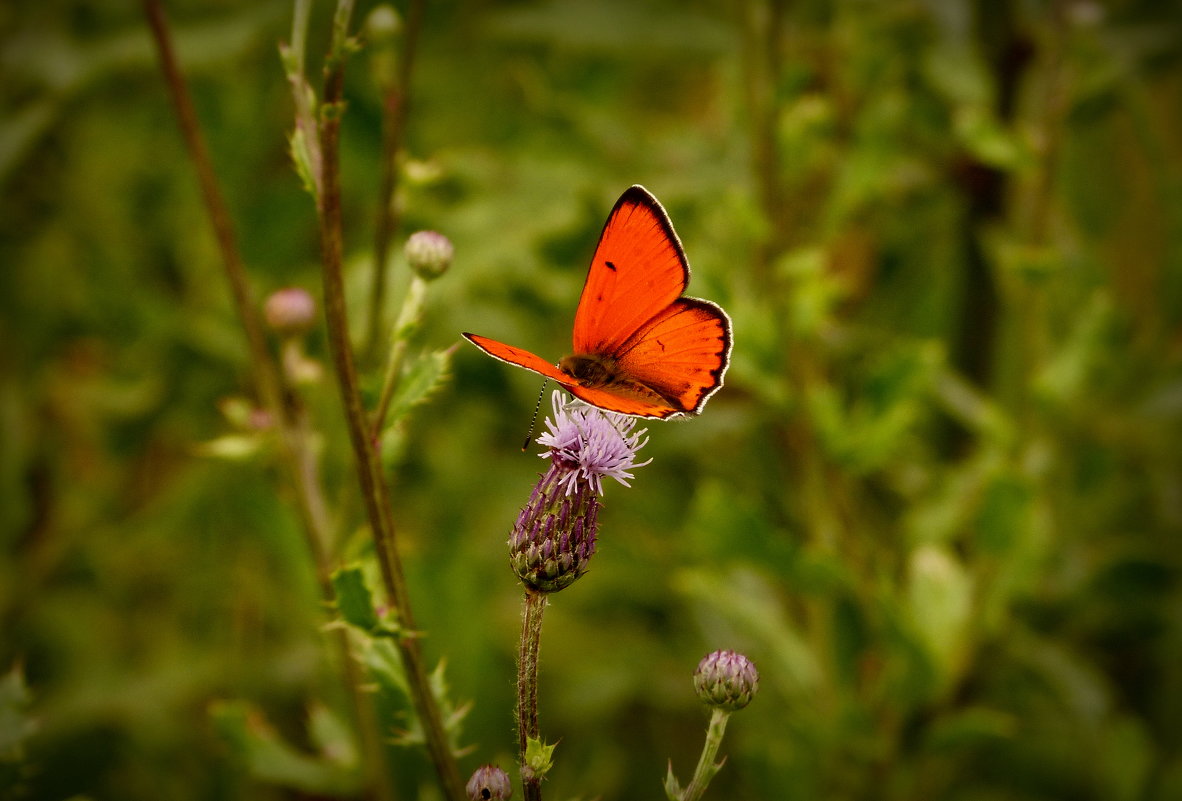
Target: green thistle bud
[
  {"x": 489, "y": 782},
  {"x": 726, "y": 680},
  {"x": 429, "y": 254}
]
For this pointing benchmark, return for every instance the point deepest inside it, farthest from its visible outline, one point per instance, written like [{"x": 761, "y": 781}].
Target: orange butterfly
[{"x": 640, "y": 348}]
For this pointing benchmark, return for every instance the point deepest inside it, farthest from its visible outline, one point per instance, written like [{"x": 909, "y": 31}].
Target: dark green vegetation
[{"x": 938, "y": 502}]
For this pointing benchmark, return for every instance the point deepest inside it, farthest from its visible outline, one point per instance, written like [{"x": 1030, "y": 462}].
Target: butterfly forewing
[
  {"x": 638, "y": 269},
  {"x": 519, "y": 357}
]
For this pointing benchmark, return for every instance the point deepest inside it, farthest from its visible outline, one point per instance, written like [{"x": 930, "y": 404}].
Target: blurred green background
[{"x": 938, "y": 501}]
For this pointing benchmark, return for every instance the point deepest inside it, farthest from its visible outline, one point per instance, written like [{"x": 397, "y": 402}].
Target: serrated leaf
[
  {"x": 354, "y": 600},
  {"x": 380, "y": 657},
  {"x": 425, "y": 375},
  {"x": 672, "y": 786},
  {"x": 538, "y": 757}
]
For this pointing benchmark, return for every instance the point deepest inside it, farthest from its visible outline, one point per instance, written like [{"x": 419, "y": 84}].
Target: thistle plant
[
  {"x": 725, "y": 681},
  {"x": 551, "y": 542},
  {"x": 554, "y": 538}
]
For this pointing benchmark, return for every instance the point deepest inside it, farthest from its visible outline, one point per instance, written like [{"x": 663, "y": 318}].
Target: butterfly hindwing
[
  {"x": 682, "y": 354},
  {"x": 638, "y": 269}
]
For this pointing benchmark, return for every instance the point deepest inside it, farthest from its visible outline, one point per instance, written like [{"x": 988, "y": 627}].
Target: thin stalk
[
  {"x": 373, "y": 487},
  {"x": 264, "y": 372},
  {"x": 707, "y": 767},
  {"x": 408, "y": 319},
  {"x": 295, "y": 451},
  {"x": 395, "y": 103},
  {"x": 527, "y": 688}
]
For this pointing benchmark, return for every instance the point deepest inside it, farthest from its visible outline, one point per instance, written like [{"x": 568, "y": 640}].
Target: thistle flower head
[
  {"x": 554, "y": 536},
  {"x": 489, "y": 782},
  {"x": 726, "y": 679},
  {"x": 591, "y": 444}
]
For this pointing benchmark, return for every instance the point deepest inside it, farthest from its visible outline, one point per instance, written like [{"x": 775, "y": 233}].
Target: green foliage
[
  {"x": 936, "y": 502},
  {"x": 332, "y": 771}
]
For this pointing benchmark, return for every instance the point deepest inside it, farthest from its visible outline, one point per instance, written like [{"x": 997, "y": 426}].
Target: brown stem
[
  {"x": 296, "y": 454},
  {"x": 373, "y": 487},
  {"x": 264, "y": 370}
]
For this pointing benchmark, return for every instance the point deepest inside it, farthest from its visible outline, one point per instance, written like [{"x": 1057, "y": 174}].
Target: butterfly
[{"x": 640, "y": 348}]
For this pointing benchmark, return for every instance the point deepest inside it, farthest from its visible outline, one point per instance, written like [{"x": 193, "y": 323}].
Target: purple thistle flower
[{"x": 555, "y": 533}]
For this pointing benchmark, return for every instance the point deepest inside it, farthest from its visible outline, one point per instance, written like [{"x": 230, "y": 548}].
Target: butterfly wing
[
  {"x": 640, "y": 402},
  {"x": 682, "y": 354},
  {"x": 638, "y": 269},
  {"x": 519, "y": 357},
  {"x": 650, "y": 404}
]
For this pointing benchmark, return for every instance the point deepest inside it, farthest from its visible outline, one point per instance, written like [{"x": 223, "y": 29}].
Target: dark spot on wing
[{"x": 610, "y": 266}]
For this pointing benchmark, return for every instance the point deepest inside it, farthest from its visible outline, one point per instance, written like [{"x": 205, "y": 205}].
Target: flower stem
[
  {"x": 408, "y": 319},
  {"x": 373, "y": 486},
  {"x": 527, "y": 688},
  {"x": 395, "y": 101},
  {"x": 707, "y": 767}
]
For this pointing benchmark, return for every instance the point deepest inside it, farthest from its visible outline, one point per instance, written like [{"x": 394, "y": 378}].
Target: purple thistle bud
[
  {"x": 290, "y": 311},
  {"x": 489, "y": 782},
  {"x": 726, "y": 679},
  {"x": 554, "y": 536}
]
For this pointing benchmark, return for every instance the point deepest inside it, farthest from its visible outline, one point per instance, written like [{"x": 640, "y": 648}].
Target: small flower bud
[
  {"x": 489, "y": 782},
  {"x": 382, "y": 25},
  {"x": 726, "y": 679},
  {"x": 429, "y": 254},
  {"x": 290, "y": 311}
]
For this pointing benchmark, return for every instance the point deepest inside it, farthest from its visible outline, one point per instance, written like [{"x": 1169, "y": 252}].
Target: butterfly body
[{"x": 640, "y": 347}]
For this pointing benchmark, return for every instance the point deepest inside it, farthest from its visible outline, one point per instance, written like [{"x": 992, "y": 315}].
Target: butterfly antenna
[{"x": 534, "y": 421}]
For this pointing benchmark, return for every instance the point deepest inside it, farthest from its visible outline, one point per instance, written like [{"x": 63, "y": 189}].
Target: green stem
[
  {"x": 527, "y": 688},
  {"x": 373, "y": 488},
  {"x": 408, "y": 320},
  {"x": 707, "y": 767},
  {"x": 395, "y": 102}
]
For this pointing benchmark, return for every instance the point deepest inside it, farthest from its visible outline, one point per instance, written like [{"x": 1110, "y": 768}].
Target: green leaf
[
  {"x": 538, "y": 757},
  {"x": 354, "y": 599},
  {"x": 15, "y": 724},
  {"x": 672, "y": 786},
  {"x": 940, "y": 594},
  {"x": 230, "y": 447},
  {"x": 269, "y": 758},
  {"x": 425, "y": 375}
]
